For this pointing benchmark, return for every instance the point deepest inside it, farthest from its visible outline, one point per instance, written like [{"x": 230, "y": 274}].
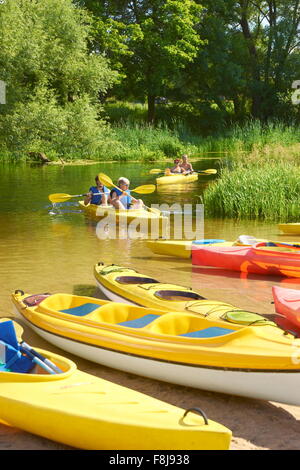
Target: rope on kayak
[
  {"x": 114, "y": 269},
  {"x": 215, "y": 308}
]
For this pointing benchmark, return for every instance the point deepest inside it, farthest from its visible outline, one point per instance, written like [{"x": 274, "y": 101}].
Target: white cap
[{"x": 123, "y": 180}]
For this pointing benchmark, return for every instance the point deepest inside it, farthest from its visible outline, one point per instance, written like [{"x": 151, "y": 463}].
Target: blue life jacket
[
  {"x": 126, "y": 200},
  {"x": 97, "y": 199}
]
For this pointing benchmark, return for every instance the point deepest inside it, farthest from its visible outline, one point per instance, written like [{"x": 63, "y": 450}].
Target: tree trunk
[
  {"x": 39, "y": 156},
  {"x": 255, "y": 69},
  {"x": 151, "y": 108}
]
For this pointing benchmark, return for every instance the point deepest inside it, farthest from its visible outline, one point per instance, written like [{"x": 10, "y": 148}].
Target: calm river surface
[
  {"x": 44, "y": 252},
  {"x": 56, "y": 253}
]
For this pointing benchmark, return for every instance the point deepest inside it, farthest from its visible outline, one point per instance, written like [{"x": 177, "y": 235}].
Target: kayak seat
[
  {"x": 81, "y": 310},
  {"x": 209, "y": 332},
  {"x": 140, "y": 322}
]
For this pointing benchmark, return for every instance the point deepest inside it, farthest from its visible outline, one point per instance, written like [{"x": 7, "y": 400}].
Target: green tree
[
  {"x": 153, "y": 41},
  {"x": 249, "y": 60},
  {"x": 44, "y": 52}
]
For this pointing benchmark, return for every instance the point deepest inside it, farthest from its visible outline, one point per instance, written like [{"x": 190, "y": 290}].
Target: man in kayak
[
  {"x": 186, "y": 165},
  {"x": 121, "y": 198},
  {"x": 98, "y": 194}
]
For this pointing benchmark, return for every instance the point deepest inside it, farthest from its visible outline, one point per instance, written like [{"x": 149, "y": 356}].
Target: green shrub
[{"x": 261, "y": 190}]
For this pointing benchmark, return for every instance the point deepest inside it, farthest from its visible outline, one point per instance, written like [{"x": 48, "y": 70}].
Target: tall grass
[
  {"x": 257, "y": 190},
  {"x": 127, "y": 141},
  {"x": 134, "y": 139}
]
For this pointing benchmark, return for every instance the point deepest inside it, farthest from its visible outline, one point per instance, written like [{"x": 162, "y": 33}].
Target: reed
[{"x": 257, "y": 190}]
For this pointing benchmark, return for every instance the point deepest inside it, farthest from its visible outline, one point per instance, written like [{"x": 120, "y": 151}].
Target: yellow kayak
[
  {"x": 150, "y": 220},
  {"x": 183, "y": 248},
  {"x": 86, "y": 412},
  {"x": 177, "y": 179},
  {"x": 99, "y": 212},
  {"x": 176, "y": 347},
  {"x": 293, "y": 229},
  {"x": 178, "y": 248},
  {"x": 122, "y": 284}
]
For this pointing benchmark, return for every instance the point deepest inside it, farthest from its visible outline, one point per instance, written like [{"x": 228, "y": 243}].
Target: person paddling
[
  {"x": 176, "y": 168},
  {"x": 186, "y": 165},
  {"x": 93, "y": 196},
  {"x": 121, "y": 198}
]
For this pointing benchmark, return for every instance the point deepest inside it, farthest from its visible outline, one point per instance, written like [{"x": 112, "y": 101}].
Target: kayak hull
[
  {"x": 177, "y": 179},
  {"x": 178, "y": 248},
  {"x": 145, "y": 221},
  {"x": 175, "y": 359},
  {"x": 86, "y": 412},
  {"x": 287, "y": 303},
  {"x": 293, "y": 229},
  {"x": 183, "y": 248},
  {"x": 249, "y": 259},
  {"x": 147, "y": 292}
]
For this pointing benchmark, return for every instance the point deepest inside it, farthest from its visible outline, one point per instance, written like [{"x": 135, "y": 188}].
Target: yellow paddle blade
[
  {"x": 106, "y": 180},
  {"x": 155, "y": 170},
  {"x": 211, "y": 171},
  {"x": 59, "y": 197},
  {"x": 145, "y": 189}
]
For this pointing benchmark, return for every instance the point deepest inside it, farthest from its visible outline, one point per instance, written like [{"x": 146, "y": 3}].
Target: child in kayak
[
  {"x": 124, "y": 201},
  {"x": 93, "y": 196},
  {"x": 186, "y": 165}
]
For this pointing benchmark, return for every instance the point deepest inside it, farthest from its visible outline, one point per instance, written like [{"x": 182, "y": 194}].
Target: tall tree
[
  {"x": 250, "y": 56},
  {"x": 153, "y": 40},
  {"x": 46, "y": 65}
]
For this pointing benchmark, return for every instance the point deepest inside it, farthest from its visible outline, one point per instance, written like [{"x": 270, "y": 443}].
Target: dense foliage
[
  {"x": 52, "y": 81},
  {"x": 202, "y": 65}
]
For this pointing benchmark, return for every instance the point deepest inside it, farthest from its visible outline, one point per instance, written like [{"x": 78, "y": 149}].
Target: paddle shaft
[
  {"x": 42, "y": 358},
  {"x": 37, "y": 360}
]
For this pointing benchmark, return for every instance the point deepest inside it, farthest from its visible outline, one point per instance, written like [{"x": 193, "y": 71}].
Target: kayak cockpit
[
  {"x": 136, "y": 280},
  {"x": 177, "y": 295}
]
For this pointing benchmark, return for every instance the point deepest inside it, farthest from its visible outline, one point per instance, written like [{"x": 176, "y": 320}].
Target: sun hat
[{"x": 123, "y": 180}]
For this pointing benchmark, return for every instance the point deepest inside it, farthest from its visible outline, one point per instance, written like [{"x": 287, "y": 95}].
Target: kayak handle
[
  {"x": 196, "y": 410},
  {"x": 19, "y": 291}
]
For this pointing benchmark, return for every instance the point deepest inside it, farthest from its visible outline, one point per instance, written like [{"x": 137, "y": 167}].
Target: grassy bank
[
  {"x": 127, "y": 137},
  {"x": 258, "y": 189}
]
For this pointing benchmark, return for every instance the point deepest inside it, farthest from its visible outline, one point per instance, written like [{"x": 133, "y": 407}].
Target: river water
[{"x": 43, "y": 251}]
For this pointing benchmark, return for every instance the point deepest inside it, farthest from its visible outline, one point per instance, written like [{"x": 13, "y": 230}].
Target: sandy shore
[{"x": 255, "y": 424}]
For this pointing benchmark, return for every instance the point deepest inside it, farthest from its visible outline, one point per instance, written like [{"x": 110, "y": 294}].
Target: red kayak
[
  {"x": 287, "y": 303},
  {"x": 279, "y": 259}
]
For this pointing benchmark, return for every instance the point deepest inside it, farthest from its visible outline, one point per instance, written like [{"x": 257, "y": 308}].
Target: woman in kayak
[
  {"x": 121, "y": 198},
  {"x": 186, "y": 165},
  {"x": 176, "y": 168},
  {"x": 98, "y": 194}
]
